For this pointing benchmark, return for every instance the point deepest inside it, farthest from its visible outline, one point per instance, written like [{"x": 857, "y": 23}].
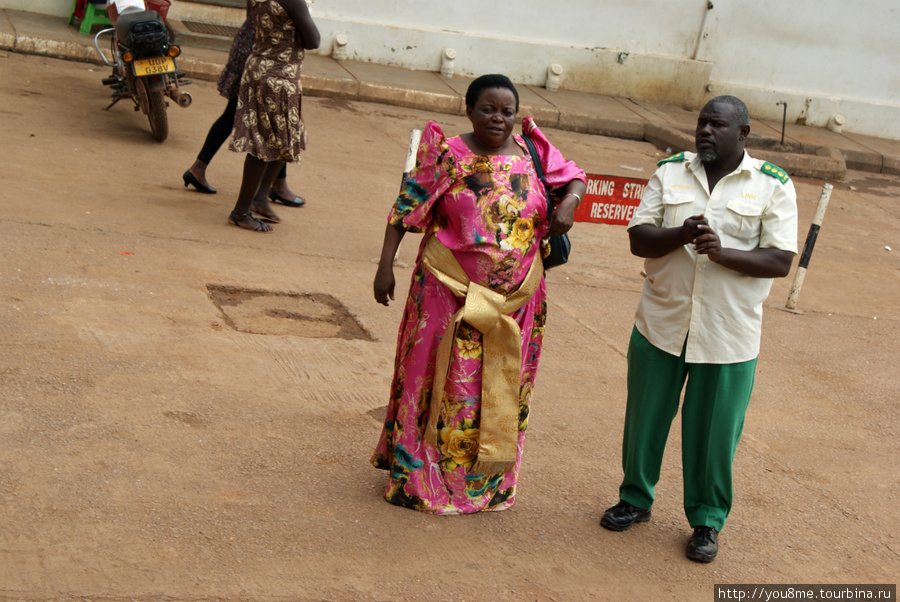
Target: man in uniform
[{"x": 714, "y": 228}]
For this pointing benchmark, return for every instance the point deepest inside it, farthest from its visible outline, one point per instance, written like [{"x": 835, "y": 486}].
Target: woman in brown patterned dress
[{"x": 269, "y": 125}]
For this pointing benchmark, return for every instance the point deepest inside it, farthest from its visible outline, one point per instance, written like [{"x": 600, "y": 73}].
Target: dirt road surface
[{"x": 187, "y": 409}]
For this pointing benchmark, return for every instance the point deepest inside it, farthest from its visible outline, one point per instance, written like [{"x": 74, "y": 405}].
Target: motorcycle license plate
[{"x": 162, "y": 64}]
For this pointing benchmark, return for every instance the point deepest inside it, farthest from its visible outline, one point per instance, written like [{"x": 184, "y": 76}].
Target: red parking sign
[{"x": 610, "y": 199}]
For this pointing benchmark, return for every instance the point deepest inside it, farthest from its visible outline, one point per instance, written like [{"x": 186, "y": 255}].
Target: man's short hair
[{"x": 740, "y": 109}]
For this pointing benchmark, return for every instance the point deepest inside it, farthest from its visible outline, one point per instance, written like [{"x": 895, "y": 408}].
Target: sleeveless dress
[{"x": 269, "y": 123}]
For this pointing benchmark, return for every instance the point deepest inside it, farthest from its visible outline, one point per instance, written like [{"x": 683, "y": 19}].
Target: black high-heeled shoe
[{"x": 191, "y": 179}]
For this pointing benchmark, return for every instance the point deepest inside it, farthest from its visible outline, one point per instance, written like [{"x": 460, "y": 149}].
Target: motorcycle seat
[
  {"x": 142, "y": 31},
  {"x": 127, "y": 20}
]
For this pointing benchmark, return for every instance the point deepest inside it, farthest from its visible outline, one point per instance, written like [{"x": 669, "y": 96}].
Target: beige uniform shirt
[{"x": 690, "y": 300}]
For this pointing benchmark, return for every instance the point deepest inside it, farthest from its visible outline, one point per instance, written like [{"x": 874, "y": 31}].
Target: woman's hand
[
  {"x": 384, "y": 284},
  {"x": 563, "y": 215},
  {"x": 384, "y": 277}
]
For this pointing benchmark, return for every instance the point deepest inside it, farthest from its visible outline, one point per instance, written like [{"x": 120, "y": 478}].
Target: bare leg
[
  {"x": 254, "y": 170},
  {"x": 282, "y": 193},
  {"x": 260, "y": 204},
  {"x": 281, "y": 187}
]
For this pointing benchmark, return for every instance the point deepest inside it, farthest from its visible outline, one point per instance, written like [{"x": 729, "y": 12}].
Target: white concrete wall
[
  {"x": 522, "y": 39},
  {"x": 582, "y": 23},
  {"x": 820, "y": 56}
]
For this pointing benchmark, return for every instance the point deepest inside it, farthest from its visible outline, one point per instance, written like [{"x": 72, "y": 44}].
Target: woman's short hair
[{"x": 486, "y": 82}]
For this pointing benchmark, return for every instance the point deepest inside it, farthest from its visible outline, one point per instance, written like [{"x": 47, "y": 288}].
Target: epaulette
[
  {"x": 776, "y": 172},
  {"x": 678, "y": 157}
]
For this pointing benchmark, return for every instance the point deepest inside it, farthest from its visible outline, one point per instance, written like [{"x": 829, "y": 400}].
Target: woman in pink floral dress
[{"x": 455, "y": 425}]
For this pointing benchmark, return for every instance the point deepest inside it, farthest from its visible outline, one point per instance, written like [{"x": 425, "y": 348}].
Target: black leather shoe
[
  {"x": 277, "y": 198},
  {"x": 703, "y": 544},
  {"x": 191, "y": 179},
  {"x": 621, "y": 516}
]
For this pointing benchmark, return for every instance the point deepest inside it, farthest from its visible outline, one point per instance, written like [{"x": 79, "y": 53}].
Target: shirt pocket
[
  {"x": 742, "y": 219},
  {"x": 677, "y": 207}
]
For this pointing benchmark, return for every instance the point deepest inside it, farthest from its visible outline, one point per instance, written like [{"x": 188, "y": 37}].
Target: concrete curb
[
  {"x": 829, "y": 165},
  {"x": 412, "y": 99},
  {"x": 197, "y": 69},
  {"x": 666, "y": 137},
  {"x": 27, "y": 44}
]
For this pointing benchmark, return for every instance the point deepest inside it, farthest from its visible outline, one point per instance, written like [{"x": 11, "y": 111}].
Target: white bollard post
[
  {"x": 414, "y": 137},
  {"x": 554, "y": 75},
  {"x": 412, "y": 148},
  {"x": 791, "y": 304},
  {"x": 448, "y": 55},
  {"x": 339, "y": 47}
]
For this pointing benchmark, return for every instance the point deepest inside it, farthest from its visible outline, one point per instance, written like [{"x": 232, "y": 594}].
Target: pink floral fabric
[{"x": 491, "y": 212}]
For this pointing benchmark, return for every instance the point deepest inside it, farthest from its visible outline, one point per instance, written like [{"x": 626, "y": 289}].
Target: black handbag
[{"x": 560, "y": 246}]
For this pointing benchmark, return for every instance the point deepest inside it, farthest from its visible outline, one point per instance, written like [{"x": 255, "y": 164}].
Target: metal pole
[
  {"x": 783, "y": 119},
  {"x": 791, "y": 304}
]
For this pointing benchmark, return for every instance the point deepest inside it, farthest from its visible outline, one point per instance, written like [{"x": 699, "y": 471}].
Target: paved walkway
[{"x": 807, "y": 151}]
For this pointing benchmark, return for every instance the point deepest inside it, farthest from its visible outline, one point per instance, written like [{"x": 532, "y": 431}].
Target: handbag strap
[{"x": 539, "y": 170}]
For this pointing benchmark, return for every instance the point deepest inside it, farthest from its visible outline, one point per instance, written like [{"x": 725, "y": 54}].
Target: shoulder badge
[
  {"x": 678, "y": 157},
  {"x": 776, "y": 172}
]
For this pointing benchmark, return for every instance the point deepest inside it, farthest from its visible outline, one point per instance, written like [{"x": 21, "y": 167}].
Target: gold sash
[{"x": 501, "y": 372}]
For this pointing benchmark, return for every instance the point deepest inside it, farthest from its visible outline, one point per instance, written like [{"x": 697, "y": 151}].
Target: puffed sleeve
[
  {"x": 558, "y": 171},
  {"x": 433, "y": 174}
]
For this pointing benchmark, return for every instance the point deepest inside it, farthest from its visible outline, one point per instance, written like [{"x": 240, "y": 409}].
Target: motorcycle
[{"x": 143, "y": 63}]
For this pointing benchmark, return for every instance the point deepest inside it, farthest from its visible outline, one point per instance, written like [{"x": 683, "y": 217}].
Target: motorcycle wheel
[{"x": 159, "y": 121}]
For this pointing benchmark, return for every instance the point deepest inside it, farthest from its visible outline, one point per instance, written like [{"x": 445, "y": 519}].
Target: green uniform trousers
[{"x": 712, "y": 417}]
